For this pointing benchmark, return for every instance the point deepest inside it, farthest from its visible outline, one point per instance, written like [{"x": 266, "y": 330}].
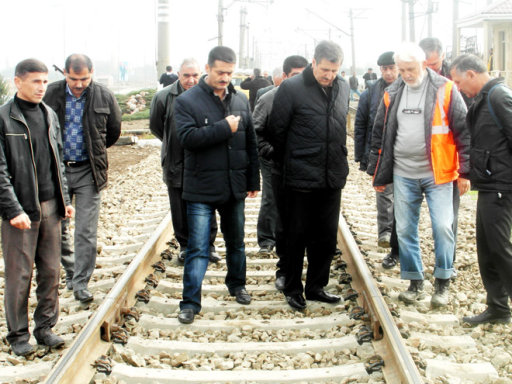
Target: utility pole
[
  {"x": 242, "y": 41},
  {"x": 163, "y": 57},
  {"x": 220, "y": 23},
  {"x": 352, "y": 41},
  {"x": 430, "y": 10},
  {"x": 404, "y": 20},
  {"x": 455, "y": 39},
  {"x": 412, "y": 35}
]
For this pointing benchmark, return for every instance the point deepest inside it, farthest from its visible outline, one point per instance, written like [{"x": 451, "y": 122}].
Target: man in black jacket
[
  {"x": 91, "y": 122},
  {"x": 270, "y": 229},
  {"x": 308, "y": 134},
  {"x": 365, "y": 117},
  {"x": 215, "y": 128},
  {"x": 33, "y": 200},
  {"x": 253, "y": 84},
  {"x": 161, "y": 124},
  {"x": 489, "y": 121}
]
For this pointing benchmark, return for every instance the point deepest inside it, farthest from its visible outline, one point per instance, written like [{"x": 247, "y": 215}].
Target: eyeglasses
[{"x": 411, "y": 111}]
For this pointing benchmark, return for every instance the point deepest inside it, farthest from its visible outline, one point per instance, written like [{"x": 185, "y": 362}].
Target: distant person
[
  {"x": 489, "y": 121},
  {"x": 91, "y": 122},
  {"x": 162, "y": 125},
  {"x": 354, "y": 86},
  {"x": 343, "y": 75},
  {"x": 34, "y": 199},
  {"x": 270, "y": 228},
  {"x": 277, "y": 78},
  {"x": 363, "y": 128},
  {"x": 268, "y": 77},
  {"x": 168, "y": 77},
  {"x": 308, "y": 135},
  {"x": 253, "y": 83},
  {"x": 214, "y": 126},
  {"x": 420, "y": 144},
  {"x": 368, "y": 77}
]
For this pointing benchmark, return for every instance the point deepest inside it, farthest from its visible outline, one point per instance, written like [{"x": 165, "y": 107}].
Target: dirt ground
[{"x": 122, "y": 156}]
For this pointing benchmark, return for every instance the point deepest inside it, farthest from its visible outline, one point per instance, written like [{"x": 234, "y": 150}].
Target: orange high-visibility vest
[{"x": 443, "y": 151}]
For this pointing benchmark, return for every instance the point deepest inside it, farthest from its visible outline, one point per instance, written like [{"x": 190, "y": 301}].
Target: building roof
[{"x": 498, "y": 12}]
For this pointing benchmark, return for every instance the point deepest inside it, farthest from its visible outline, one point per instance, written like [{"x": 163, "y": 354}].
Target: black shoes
[
  {"x": 22, "y": 348},
  {"x": 242, "y": 297},
  {"x": 488, "y": 316},
  {"x": 280, "y": 283},
  {"x": 296, "y": 302},
  {"x": 323, "y": 296},
  {"x": 50, "y": 339},
  {"x": 84, "y": 296},
  {"x": 186, "y": 316},
  {"x": 214, "y": 257},
  {"x": 390, "y": 261}
]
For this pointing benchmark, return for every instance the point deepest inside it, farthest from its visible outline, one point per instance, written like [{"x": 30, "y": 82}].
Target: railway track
[{"x": 266, "y": 341}]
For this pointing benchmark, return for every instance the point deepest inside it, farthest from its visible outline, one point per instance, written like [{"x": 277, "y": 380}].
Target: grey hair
[
  {"x": 409, "y": 52},
  {"x": 464, "y": 63},
  {"x": 277, "y": 72},
  {"x": 189, "y": 62},
  {"x": 330, "y": 51},
  {"x": 431, "y": 45}
]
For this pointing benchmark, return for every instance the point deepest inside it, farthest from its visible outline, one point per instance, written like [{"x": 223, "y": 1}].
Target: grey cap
[{"x": 386, "y": 59}]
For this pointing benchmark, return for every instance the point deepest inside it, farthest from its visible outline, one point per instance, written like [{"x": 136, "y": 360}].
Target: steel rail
[
  {"x": 75, "y": 366},
  {"x": 399, "y": 365}
]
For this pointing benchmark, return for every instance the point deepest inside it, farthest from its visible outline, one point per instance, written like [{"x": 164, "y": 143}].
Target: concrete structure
[
  {"x": 495, "y": 21},
  {"x": 163, "y": 57}
]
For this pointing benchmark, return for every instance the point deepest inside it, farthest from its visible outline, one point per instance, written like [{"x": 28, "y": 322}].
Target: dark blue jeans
[{"x": 232, "y": 220}]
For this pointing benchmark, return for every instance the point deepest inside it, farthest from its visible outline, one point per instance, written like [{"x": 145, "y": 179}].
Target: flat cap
[{"x": 386, "y": 59}]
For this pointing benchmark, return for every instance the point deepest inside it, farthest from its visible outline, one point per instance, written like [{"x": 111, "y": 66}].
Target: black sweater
[{"x": 38, "y": 129}]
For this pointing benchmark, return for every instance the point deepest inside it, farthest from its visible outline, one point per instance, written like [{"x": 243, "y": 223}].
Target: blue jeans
[
  {"x": 408, "y": 198},
  {"x": 232, "y": 220}
]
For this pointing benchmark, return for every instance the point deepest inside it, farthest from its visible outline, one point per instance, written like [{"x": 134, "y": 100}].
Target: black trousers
[
  {"x": 494, "y": 249},
  {"x": 179, "y": 218},
  {"x": 311, "y": 220},
  {"x": 267, "y": 215},
  {"x": 279, "y": 195}
]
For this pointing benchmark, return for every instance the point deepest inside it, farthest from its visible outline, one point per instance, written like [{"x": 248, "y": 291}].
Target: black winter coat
[
  {"x": 491, "y": 146},
  {"x": 308, "y": 132},
  {"x": 101, "y": 123},
  {"x": 253, "y": 85},
  {"x": 18, "y": 183},
  {"x": 219, "y": 164},
  {"x": 365, "y": 116},
  {"x": 162, "y": 125}
]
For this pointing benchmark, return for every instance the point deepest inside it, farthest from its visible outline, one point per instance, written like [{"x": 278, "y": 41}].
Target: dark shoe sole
[{"x": 493, "y": 321}]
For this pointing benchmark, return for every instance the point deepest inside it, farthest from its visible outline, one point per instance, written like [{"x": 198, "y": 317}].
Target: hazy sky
[{"x": 125, "y": 30}]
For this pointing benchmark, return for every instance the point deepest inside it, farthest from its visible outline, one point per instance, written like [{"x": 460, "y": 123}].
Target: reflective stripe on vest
[{"x": 445, "y": 159}]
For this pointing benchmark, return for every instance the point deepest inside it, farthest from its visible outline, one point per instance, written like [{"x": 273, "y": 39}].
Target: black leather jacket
[
  {"x": 18, "y": 178},
  {"x": 101, "y": 123},
  {"x": 162, "y": 125},
  {"x": 491, "y": 145}
]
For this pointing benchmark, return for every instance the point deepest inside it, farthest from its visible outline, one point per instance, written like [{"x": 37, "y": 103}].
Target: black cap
[{"x": 386, "y": 59}]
